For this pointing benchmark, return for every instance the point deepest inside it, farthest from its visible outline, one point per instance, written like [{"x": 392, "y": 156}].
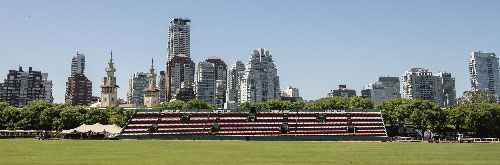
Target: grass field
[{"x": 242, "y": 152}]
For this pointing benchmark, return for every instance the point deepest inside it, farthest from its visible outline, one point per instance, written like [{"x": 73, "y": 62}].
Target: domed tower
[
  {"x": 109, "y": 88},
  {"x": 151, "y": 97}
]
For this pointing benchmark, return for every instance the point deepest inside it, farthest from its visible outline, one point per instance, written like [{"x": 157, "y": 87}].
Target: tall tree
[{"x": 480, "y": 96}]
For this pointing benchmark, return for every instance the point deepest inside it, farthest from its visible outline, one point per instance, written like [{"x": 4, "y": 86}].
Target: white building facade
[
  {"x": 384, "y": 89},
  {"x": 260, "y": 81},
  {"x": 484, "y": 73},
  {"x": 235, "y": 77},
  {"x": 205, "y": 82},
  {"x": 78, "y": 64},
  {"x": 136, "y": 84},
  {"x": 419, "y": 83},
  {"x": 179, "y": 37}
]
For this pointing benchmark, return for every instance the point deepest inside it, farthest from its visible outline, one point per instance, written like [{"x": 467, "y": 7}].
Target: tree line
[{"x": 44, "y": 115}]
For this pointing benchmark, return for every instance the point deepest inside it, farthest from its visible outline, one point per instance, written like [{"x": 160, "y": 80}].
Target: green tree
[
  {"x": 335, "y": 102},
  {"x": 195, "y": 104},
  {"x": 393, "y": 113},
  {"x": 9, "y": 116},
  {"x": 357, "y": 102},
  {"x": 299, "y": 105},
  {"x": 71, "y": 117},
  {"x": 480, "y": 96},
  {"x": 245, "y": 105},
  {"x": 96, "y": 115},
  {"x": 479, "y": 118},
  {"x": 177, "y": 104},
  {"x": 117, "y": 116},
  {"x": 425, "y": 114},
  {"x": 49, "y": 117},
  {"x": 31, "y": 114}
]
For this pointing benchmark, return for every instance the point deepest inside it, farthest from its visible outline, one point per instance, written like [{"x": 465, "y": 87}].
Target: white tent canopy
[{"x": 112, "y": 129}]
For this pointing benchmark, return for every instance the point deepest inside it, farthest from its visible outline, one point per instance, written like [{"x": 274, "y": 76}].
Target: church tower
[
  {"x": 151, "y": 97},
  {"x": 109, "y": 87}
]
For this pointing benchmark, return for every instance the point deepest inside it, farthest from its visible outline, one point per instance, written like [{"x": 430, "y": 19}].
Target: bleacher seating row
[{"x": 176, "y": 124}]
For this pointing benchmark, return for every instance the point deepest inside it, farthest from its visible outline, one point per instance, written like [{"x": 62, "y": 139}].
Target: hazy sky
[{"x": 316, "y": 45}]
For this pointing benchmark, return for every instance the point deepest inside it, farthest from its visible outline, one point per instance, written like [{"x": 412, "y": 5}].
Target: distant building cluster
[
  {"x": 213, "y": 82},
  {"x": 21, "y": 87}
]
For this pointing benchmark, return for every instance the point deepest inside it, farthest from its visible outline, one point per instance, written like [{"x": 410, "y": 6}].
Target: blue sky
[{"x": 316, "y": 45}]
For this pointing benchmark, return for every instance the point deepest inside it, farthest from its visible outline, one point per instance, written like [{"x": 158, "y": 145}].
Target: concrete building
[
  {"x": 384, "y": 89},
  {"x": 419, "y": 83},
  {"x": 233, "y": 92},
  {"x": 205, "y": 83},
  {"x": 179, "y": 69},
  {"x": 136, "y": 84},
  {"x": 78, "y": 90},
  {"x": 179, "y": 37},
  {"x": 161, "y": 85},
  {"x": 292, "y": 92},
  {"x": 342, "y": 91},
  {"x": 22, "y": 87},
  {"x": 220, "y": 73},
  {"x": 448, "y": 89},
  {"x": 47, "y": 84},
  {"x": 151, "y": 97},
  {"x": 78, "y": 64},
  {"x": 185, "y": 93},
  {"x": 109, "y": 96},
  {"x": 484, "y": 73},
  {"x": 260, "y": 81},
  {"x": 78, "y": 87}
]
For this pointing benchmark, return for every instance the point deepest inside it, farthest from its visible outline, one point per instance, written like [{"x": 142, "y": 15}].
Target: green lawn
[{"x": 242, "y": 152}]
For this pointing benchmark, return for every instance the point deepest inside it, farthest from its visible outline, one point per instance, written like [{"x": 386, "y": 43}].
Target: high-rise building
[
  {"x": 205, "y": 83},
  {"x": 78, "y": 64},
  {"x": 47, "y": 84},
  {"x": 235, "y": 77},
  {"x": 419, "y": 83},
  {"x": 220, "y": 73},
  {"x": 109, "y": 96},
  {"x": 292, "y": 92},
  {"x": 78, "y": 87},
  {"x": 484, "y": 73},
  {"x": 179, "y": 69},
  {"x": 78, "y": 90},
  {"x": 151, "y": 97},
  {"x": 342, "y": 91},
  {"x": 136, "y": 84},
  {"x": 384, "y": 89},
  {"x": 260, "y": 81},
  {"x": 161, "y": 85},
  {"x": 185, "y": 92},
  {"x": 21, "y": 87},
  {"x": 179, "y": 37},
  {"x": 448, "y": 89}
]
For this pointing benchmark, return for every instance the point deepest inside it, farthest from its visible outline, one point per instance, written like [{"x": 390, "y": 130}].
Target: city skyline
[{"x": 339, "y": 48}]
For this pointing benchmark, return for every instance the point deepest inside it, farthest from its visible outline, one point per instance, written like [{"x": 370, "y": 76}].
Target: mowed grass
[{"x": 242, "y": 152}]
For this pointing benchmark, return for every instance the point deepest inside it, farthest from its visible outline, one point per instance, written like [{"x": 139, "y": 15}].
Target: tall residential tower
[
  {"x": 179, "y": 37},
  {"x": 260, "y": 81},
  {"x": 235, "y": 77},
  {"x": 484, "y": 75},
  {"x": 78, "y": 87},
  {"x": 180, "y": 69}
]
